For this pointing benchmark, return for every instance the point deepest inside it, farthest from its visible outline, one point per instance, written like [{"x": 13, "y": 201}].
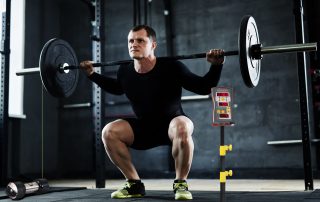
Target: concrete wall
[{"x": 266, "y": 113}]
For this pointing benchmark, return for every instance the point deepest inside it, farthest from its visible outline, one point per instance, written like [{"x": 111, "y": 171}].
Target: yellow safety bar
[{"x": 224, "y": 149}]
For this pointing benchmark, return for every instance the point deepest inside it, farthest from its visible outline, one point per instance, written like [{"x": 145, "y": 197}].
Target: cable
[{"x": 42, "y": 132}]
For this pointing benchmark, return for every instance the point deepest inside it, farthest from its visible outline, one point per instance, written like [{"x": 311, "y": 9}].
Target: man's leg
[
  {"x": 116, "y": 137},
  {"x": 180, "y": 133}
]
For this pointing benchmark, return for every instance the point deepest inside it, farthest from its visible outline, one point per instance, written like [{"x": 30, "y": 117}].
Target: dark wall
[
  {"x": 75, "y": 125},
  {"x": 39, "y": 131},
  {"x": 268, "y": 112},
  {"x": 313, "y": 26}
]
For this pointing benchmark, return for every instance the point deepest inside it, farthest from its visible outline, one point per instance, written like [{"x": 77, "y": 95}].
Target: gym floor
[
  {"x": 202, "y": 189},
  {"x": 198, "y": 184}
]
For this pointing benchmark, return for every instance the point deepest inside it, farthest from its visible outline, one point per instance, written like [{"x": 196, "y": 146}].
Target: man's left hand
[{"x": 215, "y": 56}]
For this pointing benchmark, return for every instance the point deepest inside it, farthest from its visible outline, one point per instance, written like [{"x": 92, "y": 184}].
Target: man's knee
[
  {"x": 109, "y": 132},
  {"x": 182, "y": 130},
  {"x": 118, "y": 130}
]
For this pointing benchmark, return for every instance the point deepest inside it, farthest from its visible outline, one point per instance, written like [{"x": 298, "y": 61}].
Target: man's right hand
[{"x": 87, "y": 66}]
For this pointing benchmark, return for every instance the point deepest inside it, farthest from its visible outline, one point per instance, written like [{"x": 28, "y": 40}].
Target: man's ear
[{"x": 154, "y": 45}]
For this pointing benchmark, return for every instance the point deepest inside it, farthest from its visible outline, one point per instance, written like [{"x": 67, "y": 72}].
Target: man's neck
[{"x": 144, "y": 65}]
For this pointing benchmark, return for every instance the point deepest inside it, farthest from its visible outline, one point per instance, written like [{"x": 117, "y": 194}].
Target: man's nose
[{"x": 134, "y": 43}]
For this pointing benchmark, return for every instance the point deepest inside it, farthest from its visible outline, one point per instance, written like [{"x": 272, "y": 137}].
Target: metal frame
[
  {"x": 4, "y": 93},
  {"x": 304, "y": 96},
  {"x": 97, "y": 99},
  {"x": 222, "y": 167},
  {"x": 168, "y": 22},
  {"x": 78, "y": 105},
  {"x": 136, "y": 12},
  {"x": 170, "y": 51},
  {"x": 290, "y": 142}
]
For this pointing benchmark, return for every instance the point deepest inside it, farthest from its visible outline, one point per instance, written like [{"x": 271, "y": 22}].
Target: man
[{"x": 153, "y": 87}]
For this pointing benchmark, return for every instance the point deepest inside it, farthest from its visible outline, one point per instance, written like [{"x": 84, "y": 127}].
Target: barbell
[
  {"x": 17, "y": 190},
  {"x": 58, "y": 64}
]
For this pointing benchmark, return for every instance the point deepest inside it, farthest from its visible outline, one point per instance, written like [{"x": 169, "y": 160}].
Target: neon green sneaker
[
  {"x": 131, "y": 189},
  {"x": 180, "y": 189}
]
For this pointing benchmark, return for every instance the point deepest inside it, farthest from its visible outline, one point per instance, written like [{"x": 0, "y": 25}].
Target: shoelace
[
  {"x": 181, "y": 186},
  {"x": 125, "y": 187}
]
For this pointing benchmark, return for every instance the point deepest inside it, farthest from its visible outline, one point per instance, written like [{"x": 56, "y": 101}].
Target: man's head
[
  {"x": 141, "y": 42},
  {"x": 150, "y": 32}
]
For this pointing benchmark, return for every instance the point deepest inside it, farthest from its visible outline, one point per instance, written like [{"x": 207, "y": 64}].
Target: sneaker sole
[
  {"x": 183, "y": 198},
  {"x": 128, "y": 196}
]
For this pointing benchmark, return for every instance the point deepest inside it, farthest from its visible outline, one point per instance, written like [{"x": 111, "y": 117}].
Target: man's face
[{"x": 140, "y": 45}]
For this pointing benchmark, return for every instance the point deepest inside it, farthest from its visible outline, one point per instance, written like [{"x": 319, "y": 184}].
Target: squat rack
[
  {"x": 4, "y": 91},
  {"x": 97, "y": 96},
  {"x": 303, "y": 90}
]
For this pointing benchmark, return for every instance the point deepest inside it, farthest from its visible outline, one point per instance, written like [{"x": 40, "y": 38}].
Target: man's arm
[
  {"x": 198, "y": 84},
  {"x": 203, "y": 85},
  {"x": 108, "y": 84}
]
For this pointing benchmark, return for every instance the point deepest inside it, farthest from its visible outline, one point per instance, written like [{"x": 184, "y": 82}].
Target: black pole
[
  {"x": 169, "y": 44},
  {"x": 135, "y": 12},
  {"x": 97, "y": 97},
  {"x": 145, "y": 12},
  {"x": 169, "y": 31},
  {"x": 304, "y": 96},
  {"x": 150, "y": 12},
  {"x": 4, "y": 93},
  {"x": 222, "y": 167},
  {"x": 139, "y": 12}
]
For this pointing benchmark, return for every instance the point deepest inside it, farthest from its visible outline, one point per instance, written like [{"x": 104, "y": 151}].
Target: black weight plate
[
  {"x": 55, "y": 53},
  {"x": 248, "y": 36}
]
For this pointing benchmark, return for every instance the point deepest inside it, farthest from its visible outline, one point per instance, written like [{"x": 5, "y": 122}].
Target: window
[{"x": 16, "y": 55}]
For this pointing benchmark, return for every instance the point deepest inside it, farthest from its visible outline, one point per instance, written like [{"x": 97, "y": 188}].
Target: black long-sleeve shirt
[{"x": 157, "y": 93}]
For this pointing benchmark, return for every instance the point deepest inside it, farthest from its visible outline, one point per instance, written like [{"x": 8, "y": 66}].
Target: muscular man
[{"x": 153, "y": 87}]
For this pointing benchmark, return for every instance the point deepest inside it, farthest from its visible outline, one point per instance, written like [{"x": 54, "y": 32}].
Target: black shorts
[{"x": 150, "y": 133}]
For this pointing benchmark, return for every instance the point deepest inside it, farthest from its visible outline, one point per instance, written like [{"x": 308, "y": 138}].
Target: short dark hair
[{"x": 150, "y": 32}]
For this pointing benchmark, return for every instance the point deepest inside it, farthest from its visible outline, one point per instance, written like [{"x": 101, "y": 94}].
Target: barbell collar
[
  {"x": 255, "y": 52},
  {"x": 289, "y": 48}
]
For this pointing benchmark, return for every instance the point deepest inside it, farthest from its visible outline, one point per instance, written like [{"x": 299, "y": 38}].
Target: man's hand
[
  {"x": 215, "y": 56},
  {"x": 87, "y": 66}
]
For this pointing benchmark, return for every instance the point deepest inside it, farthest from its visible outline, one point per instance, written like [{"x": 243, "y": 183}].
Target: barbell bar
[
  {"x": 35, "y": 70},
  {"x": 64, "y": 67},
  {"x": 58, "y": 65},
  {"x": 264, "y": 50}
]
